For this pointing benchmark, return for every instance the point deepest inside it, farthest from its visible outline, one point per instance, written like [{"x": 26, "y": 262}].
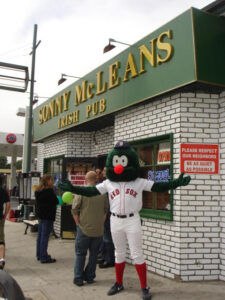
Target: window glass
[
  {"x": 145, "y": 172},
  {"x": 145, "y": 154},
  {"x": 156, "y": 165},
  {"x": 76, "y": 172}
]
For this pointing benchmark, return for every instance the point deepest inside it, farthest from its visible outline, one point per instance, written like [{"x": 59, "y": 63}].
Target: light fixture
[
  {"x": 63, "y": 79},
  {"x": 13, "y": 77},
  {"x": 20, "y": 112},
  {"x": 109, "y": 47}
]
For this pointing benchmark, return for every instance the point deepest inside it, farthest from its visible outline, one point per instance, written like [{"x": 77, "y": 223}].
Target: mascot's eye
[
  {"x": 115, "y": 160},
  {"x": 123, "y": 160}
]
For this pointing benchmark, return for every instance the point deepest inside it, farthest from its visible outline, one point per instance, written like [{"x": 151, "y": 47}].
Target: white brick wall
[
  {"x": 222, "y": 182},
  {"x": 189, "y": 247},
  {"x": 161, "y": 239},
  {"x": 40, "y": 158},
  {"x": 102, "y": 141},
  {"x": 57, "y": 223},
  {"x": 77, "y": 144},
  {"x": 200, "y": 245}
]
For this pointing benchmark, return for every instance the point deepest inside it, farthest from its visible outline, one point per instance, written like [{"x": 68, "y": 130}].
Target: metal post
[
  {"x": 30, "y": 117},
  {"x": 25, "y": 137}
]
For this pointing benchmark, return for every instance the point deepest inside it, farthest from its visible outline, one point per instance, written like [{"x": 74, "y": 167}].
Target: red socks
[
  {"x": 142, "y": 273},
  {"x": 119, "y": 272},
  {"x": 141, "y": 270}
]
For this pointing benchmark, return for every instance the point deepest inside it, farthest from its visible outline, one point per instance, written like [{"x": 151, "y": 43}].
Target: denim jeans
[
  {"x": 108, "y": 251},
  {"x": 44, "y": 230},
  {"x": 83, "y": 243}
]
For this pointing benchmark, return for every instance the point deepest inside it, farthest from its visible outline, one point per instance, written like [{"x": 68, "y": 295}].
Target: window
[
  {"x": 77, "y": 169},
  {"x": 54, "y": 167},
  {"x": 156, "y": 164}
]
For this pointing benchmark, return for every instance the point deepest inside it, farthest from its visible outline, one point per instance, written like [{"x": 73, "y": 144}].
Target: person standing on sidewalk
[
  {"x": 46, "y": 202},
  {"x": 89, "y": 215},
  {"x": 108, "y": 254},
  {"x": 4, "y": 201}
]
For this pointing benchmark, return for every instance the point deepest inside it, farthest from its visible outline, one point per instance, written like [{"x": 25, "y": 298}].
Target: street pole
[{"x": 28, "y": 142}]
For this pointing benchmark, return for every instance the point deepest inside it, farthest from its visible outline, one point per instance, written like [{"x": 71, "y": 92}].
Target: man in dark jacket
[
  {"x": 46, "y": 202},
  {"x": 4, "y": 201}
]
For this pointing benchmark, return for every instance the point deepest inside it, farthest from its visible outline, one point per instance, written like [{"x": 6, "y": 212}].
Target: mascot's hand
[
  {"x": 161, "y": 187},
  {"x": 67, "y": 186},
  {"x": 182, "y": 181},
  {"x": 88, "y": 191}
]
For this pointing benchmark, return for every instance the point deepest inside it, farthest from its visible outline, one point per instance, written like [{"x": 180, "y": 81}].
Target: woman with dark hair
[{"x": 46, "y": 202}]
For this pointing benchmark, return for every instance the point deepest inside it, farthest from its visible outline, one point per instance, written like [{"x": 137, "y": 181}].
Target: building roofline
[{"x": 216, "y": 7}]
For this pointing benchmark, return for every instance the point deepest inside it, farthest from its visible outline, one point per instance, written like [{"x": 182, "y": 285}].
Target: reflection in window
[
  {"x": 54, "y": 168},
  {"x": 76, "y": 172},
  {"x": 155, "y": 165}
]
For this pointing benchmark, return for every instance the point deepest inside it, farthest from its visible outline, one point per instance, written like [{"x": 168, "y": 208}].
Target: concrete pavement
[{"x": 54, "y": 281}]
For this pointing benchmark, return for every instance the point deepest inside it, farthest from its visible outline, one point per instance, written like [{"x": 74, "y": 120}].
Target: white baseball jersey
[{"x": 125, "y": 197}]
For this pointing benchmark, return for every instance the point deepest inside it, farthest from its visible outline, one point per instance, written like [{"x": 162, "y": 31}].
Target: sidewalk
[{"x": 54, "y": 281}]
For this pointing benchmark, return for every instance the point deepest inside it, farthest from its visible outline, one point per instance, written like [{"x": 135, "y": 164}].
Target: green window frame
[{"x": 154, "y": 143}]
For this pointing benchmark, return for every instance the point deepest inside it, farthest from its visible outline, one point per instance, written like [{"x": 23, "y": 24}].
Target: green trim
[
  {"x": 46, "y": 160},
  {"x": 154, "y": 141},
  {"x": 155, "y": 214}
]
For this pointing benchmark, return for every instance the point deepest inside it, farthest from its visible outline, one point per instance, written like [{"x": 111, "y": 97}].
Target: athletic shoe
[
  {"x": 116, "y": 288},
  {"x": 145, "y": 294},
  {"x": 78, "y": 282},
  {"x": 105, "y": 265},
  {"x": 90, "y": 281},
  {"x": 49, "y": 261},
  {"x": 100, "y": 261}
]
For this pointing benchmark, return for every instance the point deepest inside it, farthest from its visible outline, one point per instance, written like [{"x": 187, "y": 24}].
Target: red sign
[
  {"x": 164, "y": 157},
  {"x": 199, "y": 158},
  {"x": 77, "y": 178},
  {"x": 11, "y": 138}
]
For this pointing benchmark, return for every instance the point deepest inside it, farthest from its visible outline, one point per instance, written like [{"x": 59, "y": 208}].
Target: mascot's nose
[{"x": 118, "y": 169}]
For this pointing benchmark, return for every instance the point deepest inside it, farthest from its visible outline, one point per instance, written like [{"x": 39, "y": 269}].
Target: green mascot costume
[{"x": 125, "y": 188}]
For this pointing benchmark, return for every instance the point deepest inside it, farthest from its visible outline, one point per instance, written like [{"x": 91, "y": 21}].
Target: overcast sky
[{"x": 73, "y": 34}]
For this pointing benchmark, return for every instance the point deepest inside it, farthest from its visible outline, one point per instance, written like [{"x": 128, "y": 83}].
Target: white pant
[{"x": 127, "y": 230}]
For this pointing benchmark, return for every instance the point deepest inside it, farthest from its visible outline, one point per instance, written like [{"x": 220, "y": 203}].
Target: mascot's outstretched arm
[
  {"x": 172, "y": 184},
  {"x": 88, "y": 191}
]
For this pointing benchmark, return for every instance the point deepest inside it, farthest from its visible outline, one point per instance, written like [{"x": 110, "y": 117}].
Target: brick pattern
[
  {"x": 200, "y": 217},
  {"x": 189, "y": 247},
  {"x": 78, "y": 144},
  {"x": 222, "y": 182},
  {"x": 40, "y": 158},
  {"x": 57, "y": 223},
  {"x": 192, "y": 246},
  {"x": 161, "y": 239},
  {"x": 102, "y": 141}
]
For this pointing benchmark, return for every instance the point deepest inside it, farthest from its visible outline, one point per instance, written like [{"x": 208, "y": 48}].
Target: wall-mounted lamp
[
  {"x": 109, "y": 47},
  {"x": 62, "y": 79}
]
